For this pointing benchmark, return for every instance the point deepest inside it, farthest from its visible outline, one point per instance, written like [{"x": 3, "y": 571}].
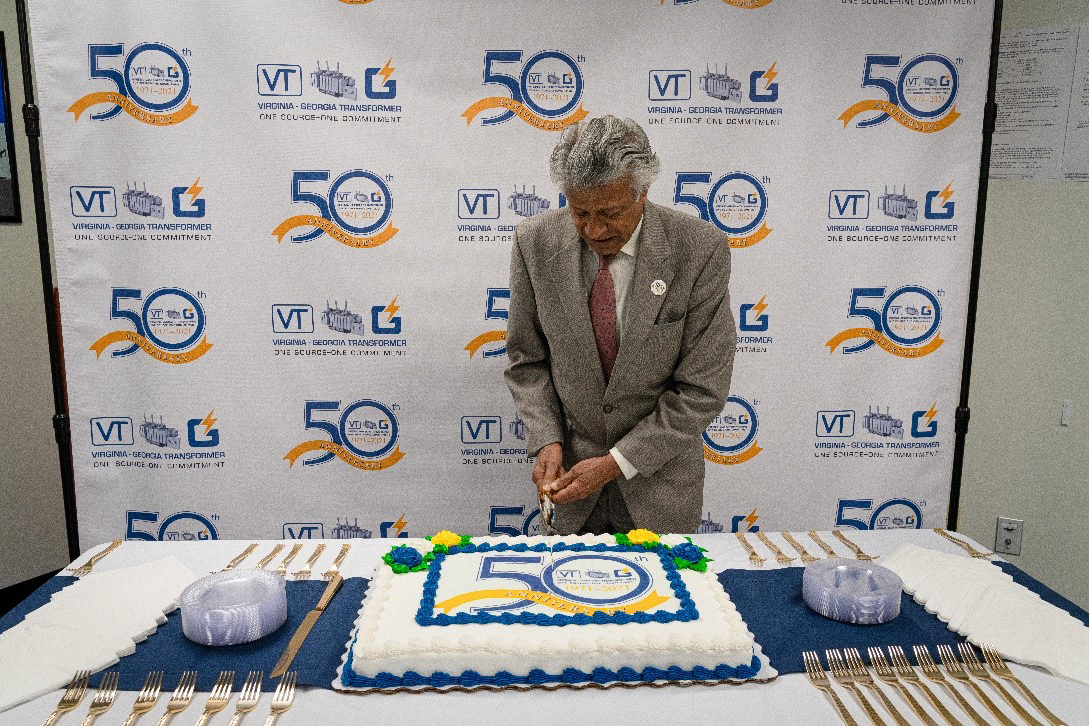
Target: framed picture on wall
[{"x": 9, "y": 185}]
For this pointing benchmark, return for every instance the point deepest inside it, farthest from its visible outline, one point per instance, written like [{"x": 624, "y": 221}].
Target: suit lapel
[
  {"x": 565, "y": 269},
  {"x": 653, "y": 262}
]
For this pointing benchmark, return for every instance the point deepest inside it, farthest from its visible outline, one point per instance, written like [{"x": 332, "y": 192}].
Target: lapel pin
[{"x": 658, "y": 287}]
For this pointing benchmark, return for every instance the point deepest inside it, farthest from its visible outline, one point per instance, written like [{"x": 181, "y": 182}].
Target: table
[{"x": 788, "y": 700}]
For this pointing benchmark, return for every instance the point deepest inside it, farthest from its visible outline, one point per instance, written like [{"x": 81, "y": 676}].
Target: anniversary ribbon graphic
[
  {"x": 344, "y": 455},
  {"x": 748, "y": 4},
  {"x": 309, "y": 220},
  {"x": 492, "y": 336},
  {"x": 119, "y": 336},
  {"x": 551, "y": 601},
  {"x": 523, "y": 112},
  {"x": 899, "y": 115},
  {"x": 751, "y": 239},
  {"x": 116, "y": 99},
  {"x": 730, "y": 459},
  {"x": 887, "y": 345}
]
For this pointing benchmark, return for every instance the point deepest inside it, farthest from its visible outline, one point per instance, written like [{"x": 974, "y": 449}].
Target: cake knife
[{"x": 304, "y": 627}]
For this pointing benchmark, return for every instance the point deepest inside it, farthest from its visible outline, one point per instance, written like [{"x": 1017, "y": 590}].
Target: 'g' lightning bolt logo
[
  {"x": 400, "y": 524},
  {"x": 760, "y": 307},
  {"x": 769, "y": 76},
  {"x": 750, "y": 520},
  {"x": 194, "y": 191},
  {"x": 387, "y": 71},
  {"x": 946, "y": 193},
  {"x": 931, "y": 412},
  {"x": 391, "y": 309},
  {"x": 208, "y": 420}
]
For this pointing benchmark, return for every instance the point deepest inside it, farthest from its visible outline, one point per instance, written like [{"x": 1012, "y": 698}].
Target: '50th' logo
[
  {"x": 151, "y": 84},
  {"x": 737, "y": 203},
  {"x": 497, "y": 297},
  {"x": 169, "y": 326},
  {"x": 354, "y": 210},
  {"x": 731, "y": 437},
  {"x": 364, "y": 436},
  {"x": 921, "y": 98},
  {"x": 905, "y": 326},
  {"x": 545, "y": 94}
]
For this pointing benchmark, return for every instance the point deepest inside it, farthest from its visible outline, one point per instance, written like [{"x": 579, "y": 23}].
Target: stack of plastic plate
[
  {"x": 851, "y": 591},
  {"x": 232, "y": 607}
]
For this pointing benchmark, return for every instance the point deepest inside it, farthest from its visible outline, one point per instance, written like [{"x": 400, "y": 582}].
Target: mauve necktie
[{"x": 603, "y": 315}]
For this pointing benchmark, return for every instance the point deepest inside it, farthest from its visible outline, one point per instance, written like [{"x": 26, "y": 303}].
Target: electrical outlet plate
[{"x": 1007, "y": 538}]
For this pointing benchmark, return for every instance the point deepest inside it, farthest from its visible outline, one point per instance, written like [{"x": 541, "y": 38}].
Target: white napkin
[
  {"x": 87, "y": 626},
  {"x": 984, "y": 604}
]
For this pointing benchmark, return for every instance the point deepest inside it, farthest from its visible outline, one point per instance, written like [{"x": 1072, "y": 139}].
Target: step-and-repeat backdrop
[{"x": 283, "y": 229}]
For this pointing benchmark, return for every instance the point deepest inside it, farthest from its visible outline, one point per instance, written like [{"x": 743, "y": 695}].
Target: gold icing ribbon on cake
[{"x": 650, "y": 601}]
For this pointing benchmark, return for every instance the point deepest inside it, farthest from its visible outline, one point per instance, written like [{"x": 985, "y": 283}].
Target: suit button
[{"x": 607, "y": 408}]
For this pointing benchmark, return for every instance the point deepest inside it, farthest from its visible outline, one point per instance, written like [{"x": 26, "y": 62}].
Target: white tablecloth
[{"x": 788, "y": 700}]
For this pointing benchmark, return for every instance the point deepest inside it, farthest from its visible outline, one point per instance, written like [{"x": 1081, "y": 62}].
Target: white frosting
[{"x": 390, "y": 640}]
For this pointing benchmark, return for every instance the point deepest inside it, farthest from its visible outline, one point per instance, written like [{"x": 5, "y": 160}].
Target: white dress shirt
[{"x": 622, "y": 270}]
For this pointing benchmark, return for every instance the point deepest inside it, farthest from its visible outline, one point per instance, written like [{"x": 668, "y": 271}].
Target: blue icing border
[
  {"x": 538, "y": 677},
  {"x": 426, "y": 614}
]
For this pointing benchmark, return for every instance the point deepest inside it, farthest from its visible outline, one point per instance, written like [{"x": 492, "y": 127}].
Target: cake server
[{"x": 304, "y": 627}]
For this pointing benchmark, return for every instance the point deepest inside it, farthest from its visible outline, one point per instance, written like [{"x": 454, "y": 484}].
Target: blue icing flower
[{"x": 407, "y": 556}]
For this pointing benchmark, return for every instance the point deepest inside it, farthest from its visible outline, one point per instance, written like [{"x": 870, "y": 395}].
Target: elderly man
[{"x": 620, "y": 339}]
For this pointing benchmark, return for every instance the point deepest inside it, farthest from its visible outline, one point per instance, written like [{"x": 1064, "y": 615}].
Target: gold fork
[
  {"x": 903, "y": 669},
  {"x": 973, "y": 665},
  {"x": 328, "y": 574},
  {"x": 862, "y": 675},
  {"x": 238, "y": 560},
  {"x": 71, "y": 698},
  {"x": 754, "y": 558},
  {"x": 85, "y": 568},
  {"x": 956, "y": 671},
  {"x": 147, "y": 698},
  {"x": 859, "y": 554},
  {"x": 107, "y": 691},
  {"x": 281, "y": 700},
  {"x": 806, "y": 557},
  {"x": 884, "y": 671},
  {"x": 305, "y": 571},
  {"x": 843, "y": 676},
  {"x": 819, "y": 679},
  {"x": 179, "y": 700},
  {"x": 994, "y": 660},
  {"x": 269, "y": 557},
  {"x": 218, "y": 698},
  {"x": 780, "y": 556},
  {"x": 931, "y": 671},
  {"x": 248, "y": 697},
  {"x": 822, "y": 544},
  {"x": 963, "y": 545},
  {"x": 282, "y": 568}
]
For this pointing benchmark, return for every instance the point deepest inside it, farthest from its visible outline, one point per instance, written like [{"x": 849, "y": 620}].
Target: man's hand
[
  {"x": 549, "y": 466},
  {"x": 585, "y": 478}
]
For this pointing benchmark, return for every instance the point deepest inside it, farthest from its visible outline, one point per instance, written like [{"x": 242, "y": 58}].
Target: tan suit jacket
[{"x": 672, "y": 372}]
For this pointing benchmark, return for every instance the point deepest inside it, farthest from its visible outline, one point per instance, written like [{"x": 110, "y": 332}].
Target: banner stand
[
  {"x": 990, "y": 113},
  {"x": 61, "y": 422}
]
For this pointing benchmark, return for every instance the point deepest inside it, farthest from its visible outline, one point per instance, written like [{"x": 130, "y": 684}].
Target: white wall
[
  {"x": 32, "y": 536},
  {"x": 1031, "y": 347}
]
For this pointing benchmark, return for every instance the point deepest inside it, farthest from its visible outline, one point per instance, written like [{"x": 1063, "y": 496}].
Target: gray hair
[{"x": 601, "y": 150}]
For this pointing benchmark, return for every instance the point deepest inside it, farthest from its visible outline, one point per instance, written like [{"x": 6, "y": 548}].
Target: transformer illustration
[
  {"x": 517, "y": 428},
  {"x": 598, "y": 574},
  {"x": 342, "y": 319},
  {"x": 720, "y": 85},
  {"x": 526, "y": 205},
  {"x": 139, "y": 201},
  {"x": 882, "y": 424},
  {"x": 708, "y": 526},
  {"x": 898, "y": 206},
  {"x": 157, "y": 71},
  {"x": 159, "y": 434},
  {"x": 350, "y": 531},
  {"x": 333, "y": 83}
]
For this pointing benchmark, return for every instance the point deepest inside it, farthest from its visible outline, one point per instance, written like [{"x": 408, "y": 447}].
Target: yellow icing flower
[
  {"x": 446, "y": 537},
  {"x": 642, "y": 536}
]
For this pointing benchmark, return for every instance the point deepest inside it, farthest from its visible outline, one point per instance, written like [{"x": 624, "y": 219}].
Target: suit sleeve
[
  {"x": 701, "y": 379},
  {"x": 528, "y": 373}
]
